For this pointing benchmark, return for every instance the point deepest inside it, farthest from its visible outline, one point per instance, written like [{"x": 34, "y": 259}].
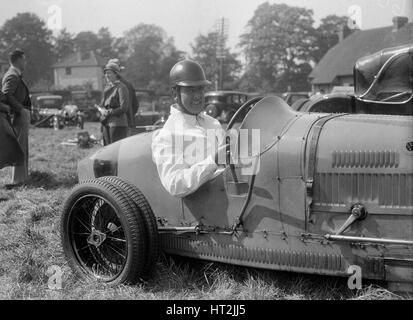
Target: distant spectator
[
  {"x": 114, "y": 106},
  {"x": 18, "y": 99},
  {"x": 133, "y": 100}
]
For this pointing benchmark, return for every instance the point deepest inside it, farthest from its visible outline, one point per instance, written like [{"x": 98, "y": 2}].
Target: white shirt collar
[
  {"x": 17, "y": 70},
  {"x": 192, "y": 119}
]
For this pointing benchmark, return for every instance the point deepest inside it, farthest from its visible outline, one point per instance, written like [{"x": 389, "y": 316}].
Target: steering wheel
[
  {"x": 241, "y": 109},
  {"x": 246, "y": 105}
]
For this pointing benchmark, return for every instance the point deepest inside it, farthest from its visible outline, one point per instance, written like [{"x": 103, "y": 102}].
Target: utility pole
[{"x": 221, "y": 27}]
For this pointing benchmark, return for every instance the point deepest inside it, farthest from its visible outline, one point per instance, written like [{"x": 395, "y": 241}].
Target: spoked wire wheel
[
  {"x": 151, "y": 227},
  {"x": 102, "y": 236}
]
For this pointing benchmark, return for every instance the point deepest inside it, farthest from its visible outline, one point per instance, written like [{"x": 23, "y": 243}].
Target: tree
[
  {"x": 328, "y": 34},
  {"x": 108, "y": 46},
  {"x": 149, "y": 55},
  {"x": 86, "y": 41},
  {"x": 63, "y": 44},
  {"x": 29, "y": 33},
  {"x": 205, "y": 49},
  {"x": 278, "y": 46}
]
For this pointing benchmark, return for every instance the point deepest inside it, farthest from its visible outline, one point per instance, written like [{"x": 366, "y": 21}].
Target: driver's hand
[{"x": 221, "y": 155}]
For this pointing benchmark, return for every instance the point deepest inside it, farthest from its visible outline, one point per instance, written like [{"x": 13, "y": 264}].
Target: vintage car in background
[
  {"x": 151, "y": 112},
  {"x": 328, "y": 194},
  {"x": 86, "y": 100},
  {"x": 72, "y": 116},
  {"x": 328, "y": 103},
  {"x": 47, "y": 111},
  {"x": 164, "y": 103},
  {"x": 292, "y": 97},
  {"x": 222, "y": 105}
]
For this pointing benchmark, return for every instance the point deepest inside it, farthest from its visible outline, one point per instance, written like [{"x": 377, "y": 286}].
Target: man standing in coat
[
  {"x": 133, "y": 100},
  {"x": 11, "y": 153},
  {"x": 17, "y": 97}
]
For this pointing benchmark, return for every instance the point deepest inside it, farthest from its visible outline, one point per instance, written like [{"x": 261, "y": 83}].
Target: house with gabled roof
[
  {"x": 336, "y": 67},
  {"x": 78, "y": 69}
]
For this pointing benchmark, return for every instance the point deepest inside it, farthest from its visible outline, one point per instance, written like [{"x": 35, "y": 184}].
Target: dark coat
[
  {"x": 116, "y": 99},
  {"x": 11, "y": 154},
  {"x": 133, "y": 102},
  {"x": 16, "y": 91}
]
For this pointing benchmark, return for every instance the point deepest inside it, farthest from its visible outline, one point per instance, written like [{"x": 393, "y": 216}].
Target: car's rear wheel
[
  {"x": 102, "y": 236},
  {"x": 151, "y": 227}
]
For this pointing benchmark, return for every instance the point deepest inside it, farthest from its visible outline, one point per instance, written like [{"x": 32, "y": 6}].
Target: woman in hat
[{"x": 114, "y": 106}]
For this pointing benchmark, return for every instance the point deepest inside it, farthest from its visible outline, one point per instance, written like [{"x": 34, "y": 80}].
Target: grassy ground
[{"x": 30, "y": 244}]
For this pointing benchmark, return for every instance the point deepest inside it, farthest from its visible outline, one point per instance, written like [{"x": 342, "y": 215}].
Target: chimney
[{"x": 399, "y": 22}]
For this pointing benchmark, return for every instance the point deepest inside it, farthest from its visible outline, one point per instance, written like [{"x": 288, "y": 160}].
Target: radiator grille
[
  {"x": 393, "y": 190},
  {"x": 365, "y": 159}
]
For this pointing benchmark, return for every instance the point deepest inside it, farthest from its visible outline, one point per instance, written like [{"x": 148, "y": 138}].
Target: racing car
[{"x": 327, "y": 192}]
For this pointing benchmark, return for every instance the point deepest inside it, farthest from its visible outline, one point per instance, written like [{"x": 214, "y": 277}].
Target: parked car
[
  {"x": 47, "y": 110},
  {"x": 292, "y": 97},
  {"x": 327, "y": 193},
  {"x": 73, "y": 116},
  {"x": 86, "y": 101},
  {"x": 222, "y": 105},
  {"x": 149, "y": 116}
]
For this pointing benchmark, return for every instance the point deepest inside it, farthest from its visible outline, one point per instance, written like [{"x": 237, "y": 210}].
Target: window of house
[{"x": 68, "y": 71}]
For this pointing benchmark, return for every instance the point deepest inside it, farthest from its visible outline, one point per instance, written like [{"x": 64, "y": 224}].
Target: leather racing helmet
[{"x": 187, "y": 73}]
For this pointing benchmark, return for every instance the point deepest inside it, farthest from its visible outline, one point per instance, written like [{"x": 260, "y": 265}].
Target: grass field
[{"x": 30, "y": 244}]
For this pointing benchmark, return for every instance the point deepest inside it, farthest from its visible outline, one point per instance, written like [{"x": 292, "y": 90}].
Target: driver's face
[{"x": 193, "y": 99}]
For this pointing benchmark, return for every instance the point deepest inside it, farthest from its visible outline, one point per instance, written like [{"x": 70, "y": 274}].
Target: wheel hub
[{"x": 96, "y": 238}]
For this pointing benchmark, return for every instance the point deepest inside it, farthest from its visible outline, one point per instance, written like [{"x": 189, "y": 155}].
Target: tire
[
  {"x": 118, "y": 254},
  {"x": 151, "y": 227}
]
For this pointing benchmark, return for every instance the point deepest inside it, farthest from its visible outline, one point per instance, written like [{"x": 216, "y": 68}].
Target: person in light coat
[{"x": 190, "y": 149}]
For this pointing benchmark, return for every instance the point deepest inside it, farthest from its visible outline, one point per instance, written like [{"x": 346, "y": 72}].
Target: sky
[{"x": 185, "y": 19}]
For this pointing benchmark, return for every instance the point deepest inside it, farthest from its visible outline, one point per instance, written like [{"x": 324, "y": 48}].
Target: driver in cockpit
[{"x": 190, "y": 149}]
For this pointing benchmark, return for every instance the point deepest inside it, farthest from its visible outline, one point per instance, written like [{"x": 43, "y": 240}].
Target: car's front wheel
[{"x": 102, "y": 236}]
